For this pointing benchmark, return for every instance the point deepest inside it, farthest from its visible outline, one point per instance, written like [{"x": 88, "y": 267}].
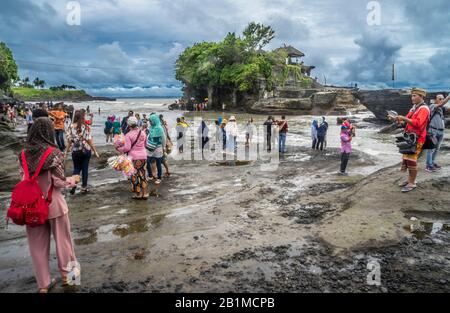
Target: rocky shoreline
[{"x": 299, "y": 229}]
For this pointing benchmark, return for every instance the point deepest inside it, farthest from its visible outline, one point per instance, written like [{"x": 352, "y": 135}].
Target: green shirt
[{"x": 116, "y": 127}]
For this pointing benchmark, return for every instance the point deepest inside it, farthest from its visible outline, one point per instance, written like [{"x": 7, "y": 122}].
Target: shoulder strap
[
  {"x": 41, "y": 163},
  {"x": 135, "y": 142},
  {"x": 434, "y": 113},
  {"x": 25, "y": 165}
]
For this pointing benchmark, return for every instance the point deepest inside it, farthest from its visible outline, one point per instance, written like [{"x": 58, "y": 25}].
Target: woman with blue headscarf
[
  {"x": 156, "y": 143},
  {"x": 314, "y": 128}
]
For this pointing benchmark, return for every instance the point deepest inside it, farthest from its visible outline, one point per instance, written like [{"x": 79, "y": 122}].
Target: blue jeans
[
  {"x": 81, "y": 165},
  {"x": 282, "y": 143},
  {"x": 59, "y": 135},
  {"x": 432, "y": 154},
  {"x": 158, "y": 166}
]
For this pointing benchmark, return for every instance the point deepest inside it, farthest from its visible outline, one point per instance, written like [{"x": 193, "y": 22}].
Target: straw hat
[{"x": 420, "y": 92}]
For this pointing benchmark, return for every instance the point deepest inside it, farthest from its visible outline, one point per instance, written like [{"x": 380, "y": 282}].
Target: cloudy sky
[{"x": 129, "y": 47}]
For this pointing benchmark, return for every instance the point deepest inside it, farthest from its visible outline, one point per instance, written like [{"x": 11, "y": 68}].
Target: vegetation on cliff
[
  {"x": 234, "y": 67},
  {"x": 8, "y": 68}
]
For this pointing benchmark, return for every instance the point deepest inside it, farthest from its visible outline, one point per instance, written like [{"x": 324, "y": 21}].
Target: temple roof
[{"x": 291, "y": 51}]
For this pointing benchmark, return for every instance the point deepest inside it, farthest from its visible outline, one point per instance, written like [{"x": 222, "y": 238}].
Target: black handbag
[
  {"x": 431, "y": 142},
  {"x": 407, "y": 143}
]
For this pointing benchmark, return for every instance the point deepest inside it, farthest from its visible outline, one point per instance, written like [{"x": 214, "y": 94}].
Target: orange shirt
[
  {"x": 59, "y": 117},
  {"x": 420, "y": 117}
]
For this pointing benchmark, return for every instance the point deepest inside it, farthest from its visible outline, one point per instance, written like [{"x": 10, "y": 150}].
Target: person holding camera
[
  {"x": 415, "y": 122},
  {"x": 437, "y": 128},
  {"x": 347, "y": 134}
]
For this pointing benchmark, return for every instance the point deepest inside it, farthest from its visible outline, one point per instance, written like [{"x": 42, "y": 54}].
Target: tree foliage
[
  {"x": 232, "y": 63},
  {"x": 8, "y": 67},
  {"x": 256, "y": 36},
  {"x": 236, "y": 64},
  {"x": 62, "y": 87},
  {"x": 39, "y": 82}
]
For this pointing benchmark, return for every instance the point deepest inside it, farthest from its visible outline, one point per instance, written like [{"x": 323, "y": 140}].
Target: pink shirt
[
  {"x": 58, "y": 207},
  {"x": 346, "y": 143},
  {"x": 138, "y": 152}
]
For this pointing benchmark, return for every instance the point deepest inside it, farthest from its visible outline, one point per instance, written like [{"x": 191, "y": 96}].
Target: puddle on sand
[
  {"x": 112, "y": 232},
  {"x": 301, "y": 157},
  {"x": 421, "y": 230},
  {"x": 231, "y": 163}
]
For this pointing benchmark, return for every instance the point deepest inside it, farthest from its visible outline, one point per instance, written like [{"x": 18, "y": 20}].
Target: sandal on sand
[
  {"x": 167, "y": 175},
  {"x": 145, "y": 197},
  {"x": 404, "y": 184},
  {"x": 157, "y": 182},
  {"x": 409, "y": 188},
  {"x": 50, "y": 287},
  {"x": 136, "y": 198}
]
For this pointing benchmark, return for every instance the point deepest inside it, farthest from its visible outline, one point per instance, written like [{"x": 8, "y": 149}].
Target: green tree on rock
[
  {"x": 8, "y": 68},
  {"x": 257, "y": 36}
]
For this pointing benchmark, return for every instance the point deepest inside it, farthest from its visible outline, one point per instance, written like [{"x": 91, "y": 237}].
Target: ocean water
[
  {"x": 368, "y": 140},
  {"x": 120, "y": 109}
]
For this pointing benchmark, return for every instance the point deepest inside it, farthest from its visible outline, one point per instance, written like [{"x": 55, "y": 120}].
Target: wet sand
[{"x": 214, "y": 228}]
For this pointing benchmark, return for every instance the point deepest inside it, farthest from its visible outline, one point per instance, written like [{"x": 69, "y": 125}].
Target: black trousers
[
  {"x": 81, "y": 165},
  {"x": 344, "y": 161},
  {"x": 320, "y": 142},
  {"x": 59, "y": 135}
]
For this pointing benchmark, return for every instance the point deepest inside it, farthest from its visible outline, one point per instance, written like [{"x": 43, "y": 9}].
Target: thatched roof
[{"x": 291, "y": 51}]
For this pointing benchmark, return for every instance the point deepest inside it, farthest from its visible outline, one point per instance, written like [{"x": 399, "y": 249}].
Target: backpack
[
  {"x": 28, "y": 204},
  {"x": 431, "y": 140}
]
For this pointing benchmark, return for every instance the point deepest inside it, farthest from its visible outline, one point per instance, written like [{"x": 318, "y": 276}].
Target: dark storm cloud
[
  {"x": 377, "y": 53},
  {"x": 132, "y": 46},
  {"x": 430, "y": 19}
]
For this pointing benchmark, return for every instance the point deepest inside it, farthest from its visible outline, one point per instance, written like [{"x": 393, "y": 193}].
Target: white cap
[{"x": 132, "y": 121}]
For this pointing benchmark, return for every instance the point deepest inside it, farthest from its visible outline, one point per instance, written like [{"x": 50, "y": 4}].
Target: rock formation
[{"x": 381, "y": 101}]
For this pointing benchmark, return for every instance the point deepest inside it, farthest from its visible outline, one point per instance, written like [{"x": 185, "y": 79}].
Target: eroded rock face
[
  {"x": 11, "y": 143},
  {"x": 324, "y": 99},
  {"x": 381, "y": 101},
  {"x": 300, "y": 104},
  {"x": 311, "y": 102}
]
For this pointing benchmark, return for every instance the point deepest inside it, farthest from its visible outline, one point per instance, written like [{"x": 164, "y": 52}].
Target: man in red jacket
[
  {"x": 416, "y": 122},
  {"x": 283, "y": 128}
]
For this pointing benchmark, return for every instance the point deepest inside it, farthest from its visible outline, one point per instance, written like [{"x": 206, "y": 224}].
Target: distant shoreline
[
  {"x": 44, "y": 95},
  {"x": 151, "y": 97}
]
